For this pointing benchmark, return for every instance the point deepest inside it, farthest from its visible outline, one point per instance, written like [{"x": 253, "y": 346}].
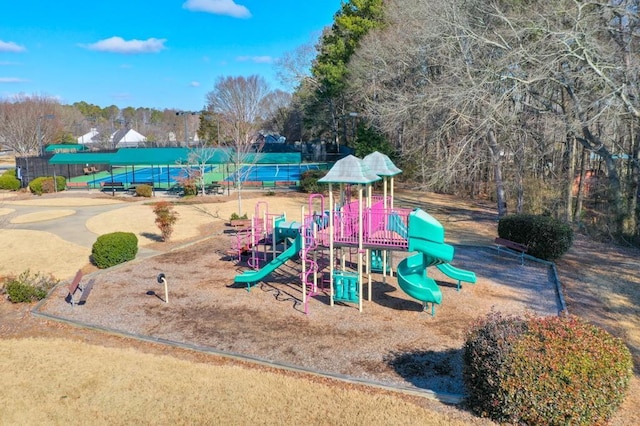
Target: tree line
[
  {"x": 533, "y": 104},
  {"x": 25, "y": 118}
]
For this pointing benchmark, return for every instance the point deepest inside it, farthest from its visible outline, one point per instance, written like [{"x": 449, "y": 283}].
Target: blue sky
[{"x": 158, "y": 54}]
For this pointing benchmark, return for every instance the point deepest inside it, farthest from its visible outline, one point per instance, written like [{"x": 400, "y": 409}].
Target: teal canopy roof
[
  {"x": 381, "y": 165},
  {"x": 149, "y": 156},
  {"x": 350, "y": 170},
  {"x": 146, "y": 156},
  {"x": 65, "y": 148},
  {"x": 81, "y": 158}
]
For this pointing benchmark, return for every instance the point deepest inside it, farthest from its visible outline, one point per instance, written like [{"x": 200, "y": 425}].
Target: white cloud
[
  {"x": 119, "y": 45},
  {"x": 9, "y": 46},
  {"x": 194, "y": 84},
  {"x": 255, "y": 59},
  {"x": 124, "y": 96},
  {"x": 218, "y": 7},
  {"x": 12, "y": 80}
]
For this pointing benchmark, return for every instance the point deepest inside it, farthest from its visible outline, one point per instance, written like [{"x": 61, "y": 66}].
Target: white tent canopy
[
  {"x": 127, "y": 138},
  {"x": 89, "y": 137}
]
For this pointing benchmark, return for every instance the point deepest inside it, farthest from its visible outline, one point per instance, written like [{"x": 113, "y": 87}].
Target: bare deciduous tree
[
  {"x": 22, "y": 117},
  {"x": 238, "y": 101}
]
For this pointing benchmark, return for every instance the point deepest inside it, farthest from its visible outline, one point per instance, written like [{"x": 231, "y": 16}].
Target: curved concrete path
[
  {"x": 51, "y": 236},
  {"x": 70, "y": 228}
]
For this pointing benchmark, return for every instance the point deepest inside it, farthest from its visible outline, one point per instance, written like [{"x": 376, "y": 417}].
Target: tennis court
[
  {"x": 159, "y": 175},
  {"x": 273, "y": 173}
]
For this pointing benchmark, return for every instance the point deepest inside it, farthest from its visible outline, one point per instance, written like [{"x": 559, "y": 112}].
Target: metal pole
[
  {"x": 39, "y": 136},
  {"x": 186, "y": 133}
]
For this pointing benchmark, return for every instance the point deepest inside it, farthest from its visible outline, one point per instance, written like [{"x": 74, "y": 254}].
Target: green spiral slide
[{"x": 426, "y": 236}]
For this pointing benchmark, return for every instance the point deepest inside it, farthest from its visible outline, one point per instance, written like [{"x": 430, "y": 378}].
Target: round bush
[
  {"x": 552, "y": 371},
  {"x": 546, "y": 237},
  {"x": 44, "y": 185},
  {"x": 144, "y": 190},
  {"x": 488, "y": 345},
  {"x": 113, "y": 249},
  {"x": 10, "y": 182}
]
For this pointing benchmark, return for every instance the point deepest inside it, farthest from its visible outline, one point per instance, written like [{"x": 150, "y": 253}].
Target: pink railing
[{"x": 384, "y": 227}]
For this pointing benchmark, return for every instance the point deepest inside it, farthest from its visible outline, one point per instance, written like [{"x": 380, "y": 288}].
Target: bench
[
  {"x": 214, "y": 188},
  {"x": 176, "y": 189},
  {"x": 512, "y": 245},
  {"x": 134, "y": 184},
  {"x": 77, "y": 185},
  {"x": 240, "y": 224},
  {"x": 112, "y": 186},
  {"x": 74, "y": 286},
  {"x": 286, "y": 183}
]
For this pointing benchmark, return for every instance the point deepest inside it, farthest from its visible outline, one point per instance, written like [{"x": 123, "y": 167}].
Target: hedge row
[{"x": 546, "y": 237}]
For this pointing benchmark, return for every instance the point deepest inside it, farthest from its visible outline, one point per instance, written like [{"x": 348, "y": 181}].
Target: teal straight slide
[
  {"x": 457, "y": 274},
  {"x": 255, "y": 276},
  {"x": 426, "y": 236}
]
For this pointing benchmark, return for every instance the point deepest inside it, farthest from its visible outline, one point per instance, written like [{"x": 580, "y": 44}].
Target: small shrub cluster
[
  {"x": 8, "y": 180},
  {"x": 552, "y": 371},
  {"x": 27, "y": 287},
  {"x": 309, "y": 181},
  {"x": 546, "y": 237},
  {"x": 45, "y": 185},
  {"x": 190, "y": 189},
  {"x": 236, "y": 216},
  {"x": 166, "y": 217},
  {"x": 114, "y": 248},
  {"x": 144, "y": 191}
]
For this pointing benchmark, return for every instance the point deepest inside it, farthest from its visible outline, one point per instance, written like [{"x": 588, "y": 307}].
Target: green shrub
[
  {"x": 309, "y": 181},
  {"x": 44, "y": 184},
  {"x": 114, "y": 248},
  {"x": 488, "y": 345},
  {"x": 546, "y": 237},
  {"x": 27, "y": 288},
  {"x": 236, "y": 216},
  {"x": 144, "y": 191},
  {"x": 9, "y": 181},
  {"x": 552, "y": 371},
  {"x": 61, "y": 183}
]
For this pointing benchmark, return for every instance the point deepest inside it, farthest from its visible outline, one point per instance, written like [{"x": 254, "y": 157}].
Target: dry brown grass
[{"x": 56, "y": 381}]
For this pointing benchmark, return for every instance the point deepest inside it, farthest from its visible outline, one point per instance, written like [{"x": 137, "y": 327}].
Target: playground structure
[{"x": 369, "y": 227}]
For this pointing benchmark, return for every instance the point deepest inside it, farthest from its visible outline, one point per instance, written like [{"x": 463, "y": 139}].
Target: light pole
[
  {"x": 39, "y": 130},
  {"x": 186, "y": 115},
  {"x": 354, "y": 117}
]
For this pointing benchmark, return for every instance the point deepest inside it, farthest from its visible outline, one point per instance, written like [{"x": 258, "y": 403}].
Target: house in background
[
  {"x": 92, "y": 137},
  {"x": 127, "y": 138}
]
